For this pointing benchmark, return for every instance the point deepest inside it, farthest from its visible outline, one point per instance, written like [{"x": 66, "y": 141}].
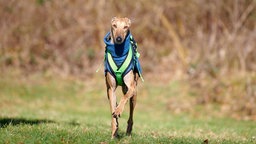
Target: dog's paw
[
  {"x": 117, "y": 112},
  {"x": 116, "y": 115}
]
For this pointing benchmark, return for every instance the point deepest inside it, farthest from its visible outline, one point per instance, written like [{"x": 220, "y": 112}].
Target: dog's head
[{"x": 119, "y": 29}]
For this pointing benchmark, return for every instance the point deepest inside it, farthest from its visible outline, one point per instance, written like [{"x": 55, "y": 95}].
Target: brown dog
[{"x": 119, "y": 30}]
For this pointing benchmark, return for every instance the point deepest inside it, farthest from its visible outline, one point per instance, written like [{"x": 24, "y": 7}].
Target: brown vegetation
[{"x": 211, "y": 44}]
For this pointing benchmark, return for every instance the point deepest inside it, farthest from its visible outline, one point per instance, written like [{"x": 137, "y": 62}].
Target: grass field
[{"x": 46, "y": 109}]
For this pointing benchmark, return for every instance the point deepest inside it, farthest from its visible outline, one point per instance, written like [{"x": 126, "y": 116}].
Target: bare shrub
[{"x": 202, "y": 41}]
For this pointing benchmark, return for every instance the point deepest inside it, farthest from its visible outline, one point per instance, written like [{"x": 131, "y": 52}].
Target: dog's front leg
[
  {"x": 130, "y": 84},
  {"x": 111, "y": 87}
]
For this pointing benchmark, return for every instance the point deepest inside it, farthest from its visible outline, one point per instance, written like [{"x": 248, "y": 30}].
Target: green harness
[{"x": 119, "y": 71}]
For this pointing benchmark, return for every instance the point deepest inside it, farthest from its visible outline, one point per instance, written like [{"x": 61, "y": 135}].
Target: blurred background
[{"x": 207, "y": 46}]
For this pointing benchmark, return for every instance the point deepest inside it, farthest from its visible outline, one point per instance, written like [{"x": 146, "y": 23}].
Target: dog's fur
[{"x": 119, "y": 29}]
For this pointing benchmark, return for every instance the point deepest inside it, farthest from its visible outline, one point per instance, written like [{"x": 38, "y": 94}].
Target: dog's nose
[{"x": 118, "y": 39}]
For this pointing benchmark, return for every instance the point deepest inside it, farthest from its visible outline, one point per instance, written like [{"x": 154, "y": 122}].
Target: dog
[{"x": 121, "y": 45}]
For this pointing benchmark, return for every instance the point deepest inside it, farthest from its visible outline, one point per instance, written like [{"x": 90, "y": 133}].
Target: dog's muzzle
[{"x": 119, "y": 39}]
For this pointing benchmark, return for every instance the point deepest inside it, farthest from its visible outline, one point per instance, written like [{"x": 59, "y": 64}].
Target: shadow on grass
[{"x": 18, "y": 121}]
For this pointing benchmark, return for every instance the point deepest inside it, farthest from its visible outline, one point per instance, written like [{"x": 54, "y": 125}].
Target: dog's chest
[{"x": 118, "y": 53}]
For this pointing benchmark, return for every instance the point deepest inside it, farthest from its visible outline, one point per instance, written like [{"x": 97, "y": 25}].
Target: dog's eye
[
  {"x": 114, "y": 25},
  {"x": 125, "y": 27}
]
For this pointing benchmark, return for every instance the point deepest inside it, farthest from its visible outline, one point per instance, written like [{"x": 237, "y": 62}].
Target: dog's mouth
[{"x": 119, "y": 36}]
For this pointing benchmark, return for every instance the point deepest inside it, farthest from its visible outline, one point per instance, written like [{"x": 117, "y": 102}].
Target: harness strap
[{"x": 119, "y": 71}]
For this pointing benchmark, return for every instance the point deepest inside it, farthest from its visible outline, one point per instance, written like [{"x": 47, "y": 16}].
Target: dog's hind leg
[
  {"x": 130, "y": 120},
  {"x": 111, "y": 87},
  {"x": 132, "y": 106}
]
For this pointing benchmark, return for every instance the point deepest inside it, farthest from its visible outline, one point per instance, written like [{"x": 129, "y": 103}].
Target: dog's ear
[
  {"x": 113, "y": 19},
  {"x": 128, "y": 21}
]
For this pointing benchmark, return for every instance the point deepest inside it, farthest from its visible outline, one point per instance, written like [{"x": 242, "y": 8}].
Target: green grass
[{"x": 44, "y": 109}]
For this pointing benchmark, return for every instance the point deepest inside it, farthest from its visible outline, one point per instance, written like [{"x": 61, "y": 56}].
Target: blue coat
[{"x": 119, "y": 53}]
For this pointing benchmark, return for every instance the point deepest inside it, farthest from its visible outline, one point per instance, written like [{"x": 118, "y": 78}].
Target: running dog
[{"x": 122, "y": 68}]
